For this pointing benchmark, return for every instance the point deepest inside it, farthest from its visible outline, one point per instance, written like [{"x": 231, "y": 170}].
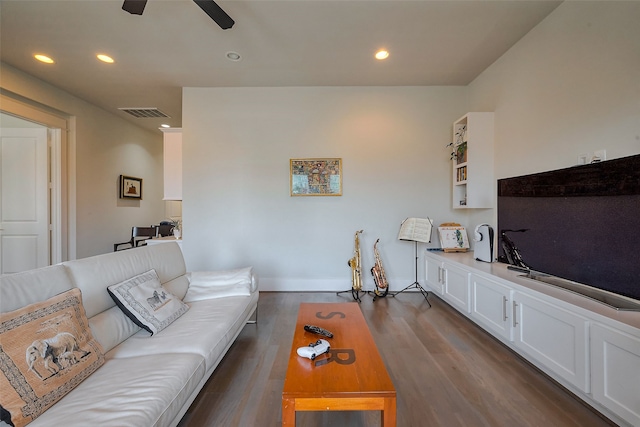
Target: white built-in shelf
[
  {"x": 172, "y": 163},
  {"x": 473, "y": 182}
]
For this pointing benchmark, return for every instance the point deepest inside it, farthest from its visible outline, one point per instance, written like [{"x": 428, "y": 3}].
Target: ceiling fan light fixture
[
  {"x": 382, "y": 54},
  {"x": 44, "y": 58},
  {"x": 233, "y": 56},
  {"x": 105, "y": 58},
  {"x": 216, "y": 13},
  {"x": 134, "y": 7},
  {"x": 210, "y": 7}
]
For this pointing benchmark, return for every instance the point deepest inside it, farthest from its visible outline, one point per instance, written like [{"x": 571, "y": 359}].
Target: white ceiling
[{"x": 174, "y": 44}]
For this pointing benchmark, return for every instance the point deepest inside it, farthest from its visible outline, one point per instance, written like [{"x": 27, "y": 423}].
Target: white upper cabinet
[
  {"x": 472, "y": 158},
  {"x": 172, "y": 163}
]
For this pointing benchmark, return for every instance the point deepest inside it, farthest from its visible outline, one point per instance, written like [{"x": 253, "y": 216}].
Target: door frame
[{"x": 61, "y": 134}]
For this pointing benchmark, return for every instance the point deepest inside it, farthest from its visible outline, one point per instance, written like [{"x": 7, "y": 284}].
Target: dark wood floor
[{"x": 447, "y": 372}]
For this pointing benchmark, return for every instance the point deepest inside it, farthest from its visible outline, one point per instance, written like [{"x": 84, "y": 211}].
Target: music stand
[{"x": 416, "y": 230}]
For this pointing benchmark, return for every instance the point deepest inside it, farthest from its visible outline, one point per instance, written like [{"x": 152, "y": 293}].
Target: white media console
[{"x": 589, "y": 348}]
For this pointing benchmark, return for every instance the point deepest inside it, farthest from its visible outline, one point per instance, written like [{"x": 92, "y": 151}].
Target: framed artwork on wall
[
  {"x": 315, "y": 177},
  {"x": 130, "y": 187}
]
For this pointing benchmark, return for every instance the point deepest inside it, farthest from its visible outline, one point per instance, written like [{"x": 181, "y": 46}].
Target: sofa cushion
[
  {"x": 135, "y": 392},
  {"x": 94, "y": 274},
  {"x": 146, "y": 302},
  {"x": 219, "y": 284},
  {"x": 206, "y": 329},
  {"x": 111, "y": 327},
  {"x": 28, "y": 287},
  {"x": 177, "y": 286},
  {"x": 47, "y": 350}
]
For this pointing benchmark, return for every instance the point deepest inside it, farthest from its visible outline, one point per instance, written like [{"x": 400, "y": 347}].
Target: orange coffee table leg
[
  {"x": 288, "y": 412},
  {"x": 389, "y": 412}
]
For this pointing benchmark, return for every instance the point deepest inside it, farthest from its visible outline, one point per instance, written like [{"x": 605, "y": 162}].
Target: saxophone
[
  {"x": 379, "y": 277},
  {"x": 354, "y": 263}
]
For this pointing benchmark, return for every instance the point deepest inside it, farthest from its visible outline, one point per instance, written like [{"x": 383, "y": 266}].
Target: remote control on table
[{"x": 318, "y": 330}]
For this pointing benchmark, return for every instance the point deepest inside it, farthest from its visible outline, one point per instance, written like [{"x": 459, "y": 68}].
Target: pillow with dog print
[
  {"x": 46, "y": 350},
  {"x": 145, "y": 301}
]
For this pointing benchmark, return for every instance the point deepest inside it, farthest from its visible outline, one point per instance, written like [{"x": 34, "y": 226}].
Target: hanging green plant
[
  {"x": 459, "y": 145},
  {"x": 461, "y": 153}
]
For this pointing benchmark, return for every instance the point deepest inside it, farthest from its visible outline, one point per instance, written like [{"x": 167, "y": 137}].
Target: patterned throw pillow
[
  {"x": 46, "y": 350},
  {"x": 143, "y": 299}
]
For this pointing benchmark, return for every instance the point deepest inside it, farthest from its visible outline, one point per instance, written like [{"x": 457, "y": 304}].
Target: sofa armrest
[
  {"x": 219, "y": 284},
  {"x": 254, "y": 281}
]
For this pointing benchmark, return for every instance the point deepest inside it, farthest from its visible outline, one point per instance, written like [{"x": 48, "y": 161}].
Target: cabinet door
[
  {"x": 491, "y": 306},
  {"x": 456, "y": 287},
  {"x": 554, "y": 337},
  {"x": 615, "y": 371},
  {"x": 434, "y": 274}
]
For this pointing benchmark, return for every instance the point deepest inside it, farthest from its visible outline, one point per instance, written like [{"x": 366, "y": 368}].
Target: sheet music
[{"x": 416, "y": 230}]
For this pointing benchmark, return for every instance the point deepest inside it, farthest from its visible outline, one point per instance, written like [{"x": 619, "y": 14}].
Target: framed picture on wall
[
  {"x": 315, "y": 177},
  {"x": 130, "y": 187}
]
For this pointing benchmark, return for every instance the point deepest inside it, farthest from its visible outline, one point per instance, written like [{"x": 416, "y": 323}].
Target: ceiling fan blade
[
  {"x": 216, "y": 13},
  {"x": 135, "y": 7}
]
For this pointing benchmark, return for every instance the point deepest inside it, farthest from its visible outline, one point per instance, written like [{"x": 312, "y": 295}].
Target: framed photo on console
[
  {"x": 453, "y": 237},
  {"x": 130, "y": 187},
  {"x": 315, "y": 177}
]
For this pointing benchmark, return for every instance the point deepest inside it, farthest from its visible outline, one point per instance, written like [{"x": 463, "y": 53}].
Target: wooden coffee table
[{"x": 352, "y": 377}]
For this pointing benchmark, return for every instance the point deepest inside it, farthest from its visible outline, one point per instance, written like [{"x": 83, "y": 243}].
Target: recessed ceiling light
[
  {"x": 233, "y": 56},
  {"x": 105, "y": 58},
  {"x": 382, "y": 54},
  {"x": 43, "y": 58},
  {"x": 164, "y": 125}
]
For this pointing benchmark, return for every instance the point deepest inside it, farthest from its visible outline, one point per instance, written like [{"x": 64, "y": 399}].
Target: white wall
[
  {"x": 237, "y": 209},
  {"x": 117, "y": 148},
  {"x": 570, "y": 86},
  {"x": 102, "y": 147}
]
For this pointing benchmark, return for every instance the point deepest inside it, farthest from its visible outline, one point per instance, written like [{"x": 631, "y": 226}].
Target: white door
[{"x": 24, "y": 212}]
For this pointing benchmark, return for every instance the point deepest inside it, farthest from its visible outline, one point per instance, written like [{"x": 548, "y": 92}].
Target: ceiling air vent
[{"x": 144, "y": 113}]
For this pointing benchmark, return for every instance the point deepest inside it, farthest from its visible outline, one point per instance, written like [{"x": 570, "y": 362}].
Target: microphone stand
[{"x": 416, "y": 284}]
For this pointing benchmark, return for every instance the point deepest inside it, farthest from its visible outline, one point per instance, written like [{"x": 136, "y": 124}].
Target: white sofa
[{"x": 145, "y": 380}]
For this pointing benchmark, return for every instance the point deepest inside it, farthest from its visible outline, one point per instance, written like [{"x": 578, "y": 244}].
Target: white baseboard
[
  {"x": 269, "y": 284},
  {"x": 303, "y": 285}
]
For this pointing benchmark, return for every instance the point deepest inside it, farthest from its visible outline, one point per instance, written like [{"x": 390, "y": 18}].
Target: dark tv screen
[{"x": 582, "y": 223}]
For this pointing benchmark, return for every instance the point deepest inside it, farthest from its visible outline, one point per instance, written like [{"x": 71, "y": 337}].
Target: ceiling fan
[{"x": 215, "y": 12}]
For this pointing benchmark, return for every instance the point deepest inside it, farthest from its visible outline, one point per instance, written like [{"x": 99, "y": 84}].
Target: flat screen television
[{"x": 579, "y": 224}]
